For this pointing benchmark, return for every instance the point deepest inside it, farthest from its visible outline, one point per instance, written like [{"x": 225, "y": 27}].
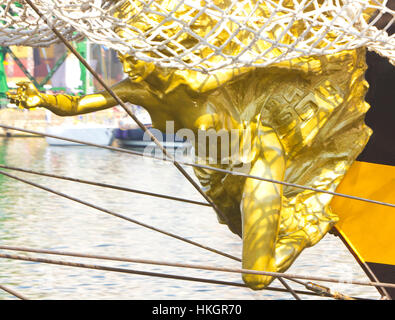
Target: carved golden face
[{"x": 137, "y": 70}]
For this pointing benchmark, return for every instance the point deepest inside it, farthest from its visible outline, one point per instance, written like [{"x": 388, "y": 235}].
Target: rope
[
  {"x": 195, "y": 165},
  {"x": 120, "y": 216},
  {"x": 288, "y": 276},
  {"x": 123, "y": 105},
  {"x": 104, "y": 185}
]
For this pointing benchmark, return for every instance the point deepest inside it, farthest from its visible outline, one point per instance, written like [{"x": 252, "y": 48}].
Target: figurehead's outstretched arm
[{"x": 27, "y": 96}]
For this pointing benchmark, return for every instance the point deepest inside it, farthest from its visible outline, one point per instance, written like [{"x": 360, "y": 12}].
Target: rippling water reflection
[{"x": 34, "y": 218}]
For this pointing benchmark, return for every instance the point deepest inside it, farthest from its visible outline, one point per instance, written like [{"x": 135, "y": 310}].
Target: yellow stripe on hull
[{"x": 369, "y": 229}]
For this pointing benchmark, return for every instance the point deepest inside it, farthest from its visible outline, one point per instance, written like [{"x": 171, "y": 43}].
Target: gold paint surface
[{"x": 300, "y": 121}]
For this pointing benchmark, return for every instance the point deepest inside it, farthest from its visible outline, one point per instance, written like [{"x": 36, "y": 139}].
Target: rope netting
[{"x": 207, "y": 35}]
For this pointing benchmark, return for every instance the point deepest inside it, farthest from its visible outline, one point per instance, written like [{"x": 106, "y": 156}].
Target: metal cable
[
  {"x": 61, "y": 177},
  {"x": 101, "y": 209},
  {"x": 104, "y": 185}
]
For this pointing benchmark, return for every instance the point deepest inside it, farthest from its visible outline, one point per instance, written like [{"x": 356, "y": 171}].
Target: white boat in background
[
  {"x": 91, "y": 133},
  {"x": 97, "y": 128},
  {"x": 130, "y": 135}
]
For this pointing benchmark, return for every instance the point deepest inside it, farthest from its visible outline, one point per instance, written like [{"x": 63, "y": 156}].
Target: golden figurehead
[{"x": 303, "y": 120}]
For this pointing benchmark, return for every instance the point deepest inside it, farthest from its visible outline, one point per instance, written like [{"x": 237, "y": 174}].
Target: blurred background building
[{"x": 55, "y": 69}]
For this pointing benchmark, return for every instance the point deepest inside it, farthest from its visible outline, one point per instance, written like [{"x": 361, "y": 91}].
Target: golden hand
[{"x": 26, "y": 96}]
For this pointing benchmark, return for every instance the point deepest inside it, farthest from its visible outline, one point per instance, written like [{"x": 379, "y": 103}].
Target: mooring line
[
  {"x": 195, "y": 165},
  {"x": 88, "y": 204},
  {"x": 105, "y": 185},
  {"x": 144, "y": 273},
  {"x": 12, "y": 292}
]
